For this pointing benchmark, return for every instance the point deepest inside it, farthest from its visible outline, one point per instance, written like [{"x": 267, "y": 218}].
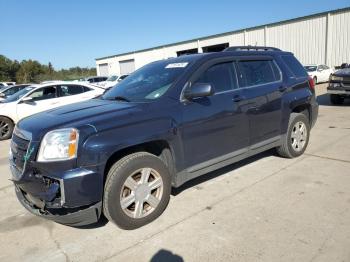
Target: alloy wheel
[
  {"x": 4, "y": 129},
  {"x": 141, "y": 193},
  {"x": 299, "y": 136}
]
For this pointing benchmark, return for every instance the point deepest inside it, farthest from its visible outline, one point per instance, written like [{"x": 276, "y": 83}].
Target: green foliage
[{"x": 31, "y": 71}]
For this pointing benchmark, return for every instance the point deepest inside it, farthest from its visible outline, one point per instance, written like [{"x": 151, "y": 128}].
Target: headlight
[
  {"x": 58, "y": 145},
  {"x": 336, "y": 78}
]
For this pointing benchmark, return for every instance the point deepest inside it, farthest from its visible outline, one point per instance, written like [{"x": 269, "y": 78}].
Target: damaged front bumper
[
  {"x": 72, "y": 198},
  {"x": 66, "y": 216}
]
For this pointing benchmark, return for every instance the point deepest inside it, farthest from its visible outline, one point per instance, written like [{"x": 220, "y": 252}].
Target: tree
[
  {"x": 51, "y": 70},
  {"x": 31, "y": 71}
]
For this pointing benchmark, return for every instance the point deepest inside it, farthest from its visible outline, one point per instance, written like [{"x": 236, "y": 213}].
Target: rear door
[{"x": 262, "y": 88}]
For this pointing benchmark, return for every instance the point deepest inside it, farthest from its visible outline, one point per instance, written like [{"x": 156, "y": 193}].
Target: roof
[{"x": 230, "y": 32}]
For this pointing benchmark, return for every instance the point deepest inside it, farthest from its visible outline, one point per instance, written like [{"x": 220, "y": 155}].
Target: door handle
[
  {"x": 282, "y": 88},
  {"x": 237, "y": 98}
]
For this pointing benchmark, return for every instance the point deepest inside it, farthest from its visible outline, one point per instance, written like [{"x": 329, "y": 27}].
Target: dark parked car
[
  {"x": 339, "y": 85},
  {"x": 167, "y": 123},
  {"x": 95, "y": 79}
]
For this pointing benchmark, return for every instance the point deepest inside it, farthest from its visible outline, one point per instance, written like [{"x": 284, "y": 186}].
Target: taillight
[{"x": 311, "y": 84}]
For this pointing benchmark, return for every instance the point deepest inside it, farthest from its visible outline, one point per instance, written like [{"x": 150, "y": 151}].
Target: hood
[
  {"x": 343, "y": 72},
  {"x": 93, "y": 113}
]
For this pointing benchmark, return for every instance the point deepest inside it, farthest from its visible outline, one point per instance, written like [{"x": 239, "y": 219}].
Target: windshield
[
  {"x": 310, "y": 68},
  {"x": 112, "y": 78},
  {"x": 148, "y": 83},
  {"x": 18, "y": 95}
]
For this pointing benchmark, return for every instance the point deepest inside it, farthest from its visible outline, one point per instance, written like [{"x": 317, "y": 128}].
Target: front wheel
[
  {"x": 294, "y": 143},
  {"x": 137, "y": 190},
  {"x": 6, "y": 128}
]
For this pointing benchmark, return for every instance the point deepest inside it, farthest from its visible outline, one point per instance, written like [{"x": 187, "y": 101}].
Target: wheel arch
[{"x": 159, "y": 148}]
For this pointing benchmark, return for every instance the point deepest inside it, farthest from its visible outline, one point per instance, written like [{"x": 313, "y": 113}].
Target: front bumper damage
[
  {"x": 70, "y": 217},
  {"x": 58, "y": 191},
  {"x": 68, "y": 200}
]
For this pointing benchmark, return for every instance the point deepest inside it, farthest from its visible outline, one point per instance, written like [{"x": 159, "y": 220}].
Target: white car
[
  {"x": 38, "y": 98},
  {"x": 11, "y": 90},
  {"x": 2, "y": 84},
  {"x": 112, "y": 81},
  {"x": 319, "y": 73}
]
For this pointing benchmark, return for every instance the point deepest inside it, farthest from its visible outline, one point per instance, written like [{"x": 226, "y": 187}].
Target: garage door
[
  {"x": 127, "y": 66},
  {"x": 103, "y": 69}
]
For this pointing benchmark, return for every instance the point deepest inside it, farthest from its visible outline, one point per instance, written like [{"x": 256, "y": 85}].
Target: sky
[{"x": 71, "y": 33}]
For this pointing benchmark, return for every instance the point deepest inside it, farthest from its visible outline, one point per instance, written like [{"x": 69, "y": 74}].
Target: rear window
[
  {"x": 294, "y": 66},
  {"x": 70, "y": 90},
  {"x": 251, "y": 73}
]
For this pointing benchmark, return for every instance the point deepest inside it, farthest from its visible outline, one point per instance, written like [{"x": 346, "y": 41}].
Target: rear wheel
[
  {"x": 137, "y": 190},
  {"x": 6, "y": 128},
  {"x": 336, "y": 99},
  {"x": 294, "y": 143}
]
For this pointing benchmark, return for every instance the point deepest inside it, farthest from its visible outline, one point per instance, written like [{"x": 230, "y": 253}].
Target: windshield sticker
[{"x": 177, "y": 65}]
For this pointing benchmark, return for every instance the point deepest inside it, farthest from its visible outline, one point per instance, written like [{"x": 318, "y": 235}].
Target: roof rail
[{"x": 251, "y": 48}]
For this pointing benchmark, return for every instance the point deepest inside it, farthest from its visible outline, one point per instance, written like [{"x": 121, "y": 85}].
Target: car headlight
[
  {"x": 336, "y": 78},
  {"x": 59, "y": 145}
]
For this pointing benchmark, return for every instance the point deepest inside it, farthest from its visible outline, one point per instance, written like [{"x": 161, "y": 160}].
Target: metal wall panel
[
  {"x": 317, "y": 39},
  {"x": 255, "y": 37},
  {"x": 305, "y": 38},
  {"x": 339, "y": 38}
]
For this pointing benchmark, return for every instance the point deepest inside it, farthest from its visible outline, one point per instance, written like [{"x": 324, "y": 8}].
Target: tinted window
[
  {"x": 44, "y": 93},
  {"x": 251, "y": 73},
  {"x": 87, "y": 89},
  {"x": 70, "y": 90},
  {"x": 295, "y": 67},
  {"x": 220, "y": 76},
  {"x": 11, "y": 91},
  {"x": 122, "y": 77},
  {"x": 18, "y": 95}
]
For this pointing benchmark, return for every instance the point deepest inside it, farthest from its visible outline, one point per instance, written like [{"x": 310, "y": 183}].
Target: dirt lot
[{"x": 265, "y": 208}]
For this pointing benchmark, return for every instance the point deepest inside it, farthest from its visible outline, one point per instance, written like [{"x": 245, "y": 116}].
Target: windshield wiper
[{"x": 119, "y": 98}]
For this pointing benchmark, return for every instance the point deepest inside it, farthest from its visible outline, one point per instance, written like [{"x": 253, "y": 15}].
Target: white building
[{"x": 315, "y": 39}]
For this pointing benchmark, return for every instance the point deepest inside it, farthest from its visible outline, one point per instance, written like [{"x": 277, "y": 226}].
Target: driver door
[{"x": 43, "y": 99}]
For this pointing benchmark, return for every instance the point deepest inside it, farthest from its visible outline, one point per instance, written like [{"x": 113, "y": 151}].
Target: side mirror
[
  {"x": 199, "y": 90},
  {"x": 27, "y": 99}
]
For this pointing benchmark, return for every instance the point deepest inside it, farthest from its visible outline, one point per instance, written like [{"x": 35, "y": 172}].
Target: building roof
[{"x": 230, "y": 32}]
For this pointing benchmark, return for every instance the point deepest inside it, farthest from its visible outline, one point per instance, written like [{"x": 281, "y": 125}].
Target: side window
[
  {"x": 44, "y": 93},
  {"x": 70, "y": 90},
  {"x": 251, "y": 73},
  {"x": 294, "y": 66},
  {"x": 220, "y": 76},
  {"x": 87, "y": 89},
  {"x": 11, "y": 91}
]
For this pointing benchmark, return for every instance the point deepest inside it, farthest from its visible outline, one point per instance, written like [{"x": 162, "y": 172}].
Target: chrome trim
[
  {"x": 22, "y": 133},
  {"x": 338, "y": 92}
]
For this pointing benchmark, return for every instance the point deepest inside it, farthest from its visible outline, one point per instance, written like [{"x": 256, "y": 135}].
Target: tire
[
  {"x": 287, "y": 148},
  {"x": 6, "y": 128},
  {"x": 336, "y": 99},
  {"x": 123, "y": 176},
  {"x": 315, "y": 80}
]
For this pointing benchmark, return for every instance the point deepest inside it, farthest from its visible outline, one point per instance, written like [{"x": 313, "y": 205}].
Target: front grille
[
  {"x": 19, "y": 147},
  {"x": 346, "y": 81}
]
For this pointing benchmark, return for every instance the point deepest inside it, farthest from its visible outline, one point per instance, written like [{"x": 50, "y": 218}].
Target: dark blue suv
[{"x": 170, "y": 121}]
